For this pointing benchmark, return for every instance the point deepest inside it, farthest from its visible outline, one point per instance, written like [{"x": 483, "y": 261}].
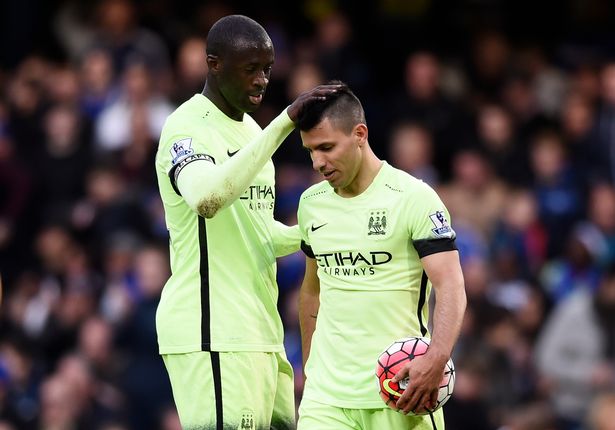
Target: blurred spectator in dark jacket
[
  {"x": 15, "y": 191},
  {"x": 109, "y": 208},
  {"x": 496, "y": 138},
  {"x": 601, "y": 216},
  {"x": 520, "y": 234},
  {"x": 23, "y": 377},
  {"x": 26, "y": 103},
  {"x": 577, "y": 122},
  {"x": 530, "y": 416},
  {"x": 120, "y": 33},
  {"x": 578, "y": 266},
  {"x": 424, "y": 101},
  {"x": 604, "y": 132},
  {"x": 337, "y": 53},
  {"x": 97, "y": 82},
  {"x": 488, "y": 65},
  {"x": 62, "y": 164},
  {"x": 144, "y": 378},
  {"x": 557, "y": 187}
]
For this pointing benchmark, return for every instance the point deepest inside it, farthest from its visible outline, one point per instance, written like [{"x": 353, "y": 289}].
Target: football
[{"x": 394, "y": 357}]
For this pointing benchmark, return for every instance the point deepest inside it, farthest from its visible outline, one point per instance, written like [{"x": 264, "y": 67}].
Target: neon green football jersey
[
  {"x": 222, "y": 293},
  {"x": 373, "y": 289}
]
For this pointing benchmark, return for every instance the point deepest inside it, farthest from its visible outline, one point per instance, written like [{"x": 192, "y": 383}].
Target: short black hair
[
  {"x": 343, "y": 109},
  {"x": 234, "y": 31}
]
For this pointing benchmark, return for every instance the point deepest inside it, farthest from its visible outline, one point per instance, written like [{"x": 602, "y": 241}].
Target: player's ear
[
  {"x": 213, "y": 63},
  {"x": 360, "y": 133}
]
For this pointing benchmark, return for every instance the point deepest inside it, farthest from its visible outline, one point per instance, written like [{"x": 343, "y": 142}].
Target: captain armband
[{"x": 174, "y": 172}]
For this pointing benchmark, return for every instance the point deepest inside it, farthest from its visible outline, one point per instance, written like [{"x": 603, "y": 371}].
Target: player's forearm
[
  {"x": 210, "y": 189},
  {"x": 308, "y": 312},
  {"x": 286, "y": 239},
  {"x": 447, "y": 319}
]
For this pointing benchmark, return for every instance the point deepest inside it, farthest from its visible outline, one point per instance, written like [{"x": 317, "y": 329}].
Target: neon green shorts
[
  {"x": 318, "y": 416},
  {"x": 232, "y": 390}
]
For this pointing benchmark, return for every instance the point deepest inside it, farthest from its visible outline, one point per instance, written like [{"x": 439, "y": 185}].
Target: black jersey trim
[
  {"x": 174, "y": 172},
  {"x": 307, "y": 249},
  {"x": 421, "y": 303},
  {"x": 217, "y": 376},
  {"x": 426, "y": 247},
  {"x": 204, "y": 275},
  {"x": 433, "y": 421}
]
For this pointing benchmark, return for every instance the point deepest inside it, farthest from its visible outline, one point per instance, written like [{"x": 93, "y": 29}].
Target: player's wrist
[{"x": 436, "y": 356}]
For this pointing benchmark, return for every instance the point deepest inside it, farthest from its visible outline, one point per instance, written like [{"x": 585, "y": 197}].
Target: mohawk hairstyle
[
  {"x": 343, "y": 109},
  {"x": 233, "y": 31}
]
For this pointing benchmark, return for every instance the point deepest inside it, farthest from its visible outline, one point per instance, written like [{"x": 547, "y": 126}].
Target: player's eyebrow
[{"x": 319, "y": 146}]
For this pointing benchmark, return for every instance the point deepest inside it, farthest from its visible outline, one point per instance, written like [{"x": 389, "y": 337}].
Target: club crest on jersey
[
  {"x": 377, "y": 223},
  {"x": 180, "y": 149},
  {"x": 441, "y": 224},
  {"x": 247, "y": 420}
]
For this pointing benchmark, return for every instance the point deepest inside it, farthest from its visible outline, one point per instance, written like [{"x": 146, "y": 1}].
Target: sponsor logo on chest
[{"x": 259, "y": 197}]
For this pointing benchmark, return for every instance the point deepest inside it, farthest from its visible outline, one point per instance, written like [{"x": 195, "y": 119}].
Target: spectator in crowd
[
  {"x": 578, "y": 268},
  {"x": 603, "y": 147},
  {"x": 422, "y": 100},
  {"x": 411, "y": 150},
  {"x": 139, "y": 110},
  {"x": 601, "y": 215},
  {"x": 190, "y": 69},
  {"x": 119, "y": 32},
  {"x": 62, "y": 164},
  {"x": 474, "y": 195},
  {"x": 575, "y": 353},
  {"x": 557, "y": 187},
  {"x": 496, "y": 138},
  {"x": 96, "y": 77}
]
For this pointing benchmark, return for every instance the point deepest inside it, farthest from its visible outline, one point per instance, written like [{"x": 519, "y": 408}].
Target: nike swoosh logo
[
  {"x": 320, "y": 226},
  {"x": 388, "y": 389},
  {"x": 230, "y": 154}
]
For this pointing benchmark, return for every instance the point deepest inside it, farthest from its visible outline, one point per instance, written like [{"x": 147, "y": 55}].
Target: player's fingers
[
  {"x": 410, "y": 405},
  {"x": 408, "y": 400},
  {"x": 401, "y": 374},
  {"x": 433, "y": 399},
  {"x": 419, "y": 404},
  {"x": 323, "y": 91}
]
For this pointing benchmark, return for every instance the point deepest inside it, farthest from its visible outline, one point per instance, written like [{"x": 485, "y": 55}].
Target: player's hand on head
[
  {"x": 423, "y": 382},
  {"x": 318, "y": 93}
]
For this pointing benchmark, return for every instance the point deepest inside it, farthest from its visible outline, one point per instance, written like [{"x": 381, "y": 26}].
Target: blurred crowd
[{"x": 516, "y": 135}]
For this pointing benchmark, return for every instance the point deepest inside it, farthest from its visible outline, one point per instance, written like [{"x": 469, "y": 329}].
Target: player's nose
[
  {"x": 318, "y": 162},
  {"x": 261, "y": 80}
]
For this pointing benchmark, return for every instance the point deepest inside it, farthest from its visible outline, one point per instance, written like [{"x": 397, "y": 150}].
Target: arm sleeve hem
[{"x": 307, "y": 249}]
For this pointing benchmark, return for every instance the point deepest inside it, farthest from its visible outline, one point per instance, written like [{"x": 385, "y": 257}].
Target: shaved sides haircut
[
  {"x": 233, "y": 32},
  {"x": 343, "y": 109}
]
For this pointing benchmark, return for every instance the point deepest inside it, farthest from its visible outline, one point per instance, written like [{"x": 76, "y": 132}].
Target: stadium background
[{"x": 506, "y": 107}]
